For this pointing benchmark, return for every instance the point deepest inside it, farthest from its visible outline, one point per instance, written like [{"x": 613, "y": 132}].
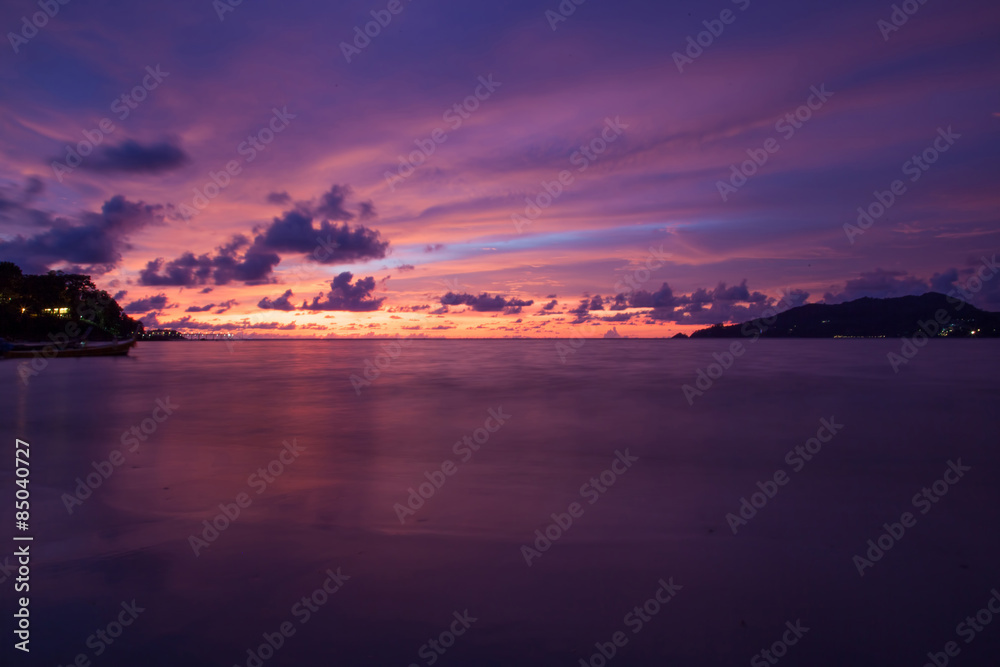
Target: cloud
[
  {"x": 279, "y": 198},
  {"x": 293, "y": 232},
  {"x": 13, "y": 197},
  {"x": 150, "y": 321},
  {"x": 709, "y": 306},
  {"x": 366, "y": 210},
  {"x": 881, "y": 284},
  {"x": 131, "y": 156},
  {"x": 345, "y": 296},
  {"x": 225, "y": 266},
  {"x": 701, "y": 306},
  {"x": 794, "y": 298},
  {"x": 618, "y": 302},
  {"x": 226, "y": 305},
  {"x": 329, "y": 243},
  {"x": 581, "y": 311},
  {"x": 94, "y": 240},
  {"x": 222, "y": 307},
  {"x": 972, "y": 287},
  {"x": 186, "y": 322},
  {"x": 721, "y": 304},
  {"x": 514, "y": 306},
  {"x": 281, "y": 303},
  {"x": 485, "y": 303},
  {"x": 331, "y": 204},
  {"x": 586, "y": 305},
  {"x": 272, "y": 325},
  {"x": 158, "y": 302},
  {"x": 662, "y": 298},
  {"x": 33, "y": 187},
  {"x": 433, "y": 247},
  {"x": 944, "y": 282}
]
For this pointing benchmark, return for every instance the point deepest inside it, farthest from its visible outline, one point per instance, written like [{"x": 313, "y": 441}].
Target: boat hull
[{"x": 116, "y": 349}]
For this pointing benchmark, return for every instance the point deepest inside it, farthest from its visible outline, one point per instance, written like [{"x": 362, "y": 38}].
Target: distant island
[{"x": 934, "y": 314}]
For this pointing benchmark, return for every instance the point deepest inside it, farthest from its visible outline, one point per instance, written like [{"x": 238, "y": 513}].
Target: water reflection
[{"x": 332, "y": 505}]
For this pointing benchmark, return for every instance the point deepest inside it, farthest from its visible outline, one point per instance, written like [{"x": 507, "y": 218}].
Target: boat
[{"x": 84, "y": 348}]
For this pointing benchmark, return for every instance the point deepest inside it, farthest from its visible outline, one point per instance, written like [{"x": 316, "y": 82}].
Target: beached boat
[{"x": 74, "y": 349}]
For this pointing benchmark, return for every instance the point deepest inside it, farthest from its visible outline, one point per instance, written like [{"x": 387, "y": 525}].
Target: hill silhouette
[{"x": 900, "y": 317}]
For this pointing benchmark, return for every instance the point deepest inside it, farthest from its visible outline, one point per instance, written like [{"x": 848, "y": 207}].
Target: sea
[{"x": 504, "y": 502}]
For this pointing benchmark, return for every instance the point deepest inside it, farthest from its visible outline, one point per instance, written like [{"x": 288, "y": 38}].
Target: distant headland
[{"x": 934, "y": 314}]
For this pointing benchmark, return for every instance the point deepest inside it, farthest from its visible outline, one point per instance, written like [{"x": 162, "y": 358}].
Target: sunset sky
[{"x": 388, "y": 185}]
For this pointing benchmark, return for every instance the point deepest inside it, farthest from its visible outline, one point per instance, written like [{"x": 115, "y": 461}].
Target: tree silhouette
[{"x": 32, "y": 307}]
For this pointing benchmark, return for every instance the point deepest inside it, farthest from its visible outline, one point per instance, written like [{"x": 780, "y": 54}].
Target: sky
[{"x": 518, "y": 168}]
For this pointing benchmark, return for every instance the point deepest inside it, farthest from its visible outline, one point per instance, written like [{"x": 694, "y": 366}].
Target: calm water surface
[{"x": 337, "y": 502}]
